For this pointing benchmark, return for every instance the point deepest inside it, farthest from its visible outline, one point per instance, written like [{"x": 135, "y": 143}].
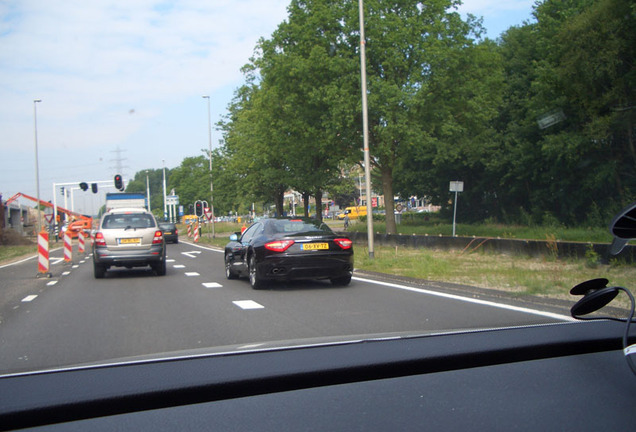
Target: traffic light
[
  {"x": 119, "y": 182},
  {"x": 199, "y": 208},
  {"x": 62, "y": 190},
  {"x": 83, "y": 186},
  {"x": 94, "y": 187}
]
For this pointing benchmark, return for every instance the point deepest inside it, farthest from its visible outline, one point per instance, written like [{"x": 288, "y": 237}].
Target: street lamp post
[
  {"x": 37, "y": 165},
  {"x": 148, "y": 190},
  {"x": 165, "y": 206},
  {"x": 365, "y": 127},
  {"x": 210, "y": 156}
]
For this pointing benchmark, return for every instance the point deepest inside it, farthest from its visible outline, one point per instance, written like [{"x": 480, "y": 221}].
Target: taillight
[
  {"x": 99, "y": 239},
  {"x": 176, "y": 230},
  {"x": 158, "y": 237},
  {"x": 279, "y": 245},
  {"x": 344, "y": 243}
]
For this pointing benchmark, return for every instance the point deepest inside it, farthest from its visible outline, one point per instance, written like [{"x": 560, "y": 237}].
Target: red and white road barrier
[
  {"x": 189, "y": 230},
  {"x": 196, "y": 233},
  {"x": 82, "y": 243},
  {"x": 43, "y": 252},
  {"x": 68, "y": 248}
]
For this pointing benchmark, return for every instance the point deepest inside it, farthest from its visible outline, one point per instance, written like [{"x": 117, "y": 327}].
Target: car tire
[
  {"x": 255, "y": 281},
  {"x": 341, "y": 281},
  {"x": 160, "y": 268},
  {"x": 229, "y": 273},
  {"x": 99, "y": 270}
]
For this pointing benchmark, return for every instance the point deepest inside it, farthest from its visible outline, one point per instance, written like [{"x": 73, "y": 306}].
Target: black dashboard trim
[{"x": 29, "y": 400}]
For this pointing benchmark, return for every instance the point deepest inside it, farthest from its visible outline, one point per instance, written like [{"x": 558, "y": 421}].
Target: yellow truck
[{"x": 353, "y": 212}]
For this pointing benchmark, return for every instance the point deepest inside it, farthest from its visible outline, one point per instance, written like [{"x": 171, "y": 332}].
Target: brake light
[
  {"x": 279, "y": 245},
  {"x": 158, "y": 237},
  {"x": 99, "y": 239},
  {"x": 344, "y": 243}
]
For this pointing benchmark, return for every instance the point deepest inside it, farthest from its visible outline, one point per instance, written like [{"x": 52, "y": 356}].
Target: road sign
[
  {"x": 208, "y": 214},
  {"x": 172, "y": 200},
  {"x": 456, "y": 186},
  {"x": 48, "y": 218}
]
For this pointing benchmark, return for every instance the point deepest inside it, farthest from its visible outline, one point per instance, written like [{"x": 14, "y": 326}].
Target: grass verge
[{"x": 544, "y": 277}]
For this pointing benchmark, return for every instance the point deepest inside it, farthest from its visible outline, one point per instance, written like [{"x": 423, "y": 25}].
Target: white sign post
[{"x": 456, "y": 186}]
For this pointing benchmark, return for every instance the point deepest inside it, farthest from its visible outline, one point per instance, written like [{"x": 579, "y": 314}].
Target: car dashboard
[{"x": 567, "y": 376}]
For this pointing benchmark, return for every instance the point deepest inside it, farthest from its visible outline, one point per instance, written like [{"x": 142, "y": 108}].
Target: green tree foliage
[
  {"x": 191, "y": 180},
  {"x": 539, "y": 124},
  {"x": 576, "y": 61}
]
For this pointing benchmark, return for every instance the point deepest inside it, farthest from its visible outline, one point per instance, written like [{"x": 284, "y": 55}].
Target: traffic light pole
[{"x": 75, "y": 183}]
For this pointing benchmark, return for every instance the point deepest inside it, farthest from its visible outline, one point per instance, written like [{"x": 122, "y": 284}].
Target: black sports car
[{"x": 287, "y": 249}]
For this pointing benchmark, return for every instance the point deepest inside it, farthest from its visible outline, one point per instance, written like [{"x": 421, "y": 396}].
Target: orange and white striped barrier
[
  {"x": 189, "y": 230},
  {"x": 68, "y": 248},
  {"x": 196, "y": 233},
  {"x": 43, "y": 254},
  {"x": 82, "y": 243}
]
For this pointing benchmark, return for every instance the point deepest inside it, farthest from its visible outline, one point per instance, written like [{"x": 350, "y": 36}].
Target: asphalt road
[{"x": 73, "y": 318}]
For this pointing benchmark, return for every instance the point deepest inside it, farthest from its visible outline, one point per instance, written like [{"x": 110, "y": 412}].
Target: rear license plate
[
  {"x": 167, "y": 232},
  {"x": 130, "y": 241},
  {"x": 314, "y": 246}
]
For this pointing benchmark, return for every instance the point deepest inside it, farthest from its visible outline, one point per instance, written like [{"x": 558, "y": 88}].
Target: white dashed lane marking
[
  {"x": 248, "y": 304},
  {"x": 29, "y": 298},
  {"x": 192, "y": 254},
  {"x": 212, "y": 285},
  {"x": 192, "y": 274}
]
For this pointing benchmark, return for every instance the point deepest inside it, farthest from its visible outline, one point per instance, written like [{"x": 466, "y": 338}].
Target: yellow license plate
[
  {"x": 130, "y": 241},
  {"x": 315, "y": 246}
]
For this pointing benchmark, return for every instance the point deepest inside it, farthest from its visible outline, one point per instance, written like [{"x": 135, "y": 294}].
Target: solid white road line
[{"x": 470, "y": 300}]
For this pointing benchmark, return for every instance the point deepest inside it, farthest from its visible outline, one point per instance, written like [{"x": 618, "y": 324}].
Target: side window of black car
[{"x": 249, "y": 234}]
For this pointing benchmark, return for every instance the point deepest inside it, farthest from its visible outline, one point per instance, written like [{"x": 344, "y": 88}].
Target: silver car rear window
[{"x": 133, "y": 220}]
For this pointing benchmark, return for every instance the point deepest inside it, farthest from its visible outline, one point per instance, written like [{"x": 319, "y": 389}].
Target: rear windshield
[
  {"x": 298, "y": 226},
  {"x": 128, "y": 220}
]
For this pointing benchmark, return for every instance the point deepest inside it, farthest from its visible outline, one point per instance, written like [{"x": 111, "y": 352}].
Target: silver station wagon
[{"x": 128, "y": 237}]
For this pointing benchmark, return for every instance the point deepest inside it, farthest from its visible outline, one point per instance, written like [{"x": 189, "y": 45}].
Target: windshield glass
[
  {"x": 298, "y": 227},
  {"x": 457, "y": 169},
  {"x": 138, "y": 220}
]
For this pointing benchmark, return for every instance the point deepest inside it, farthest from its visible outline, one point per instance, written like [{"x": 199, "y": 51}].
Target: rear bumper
[
  {"x": 133, "y": 258},
  {"x": 307, "y": 267}
]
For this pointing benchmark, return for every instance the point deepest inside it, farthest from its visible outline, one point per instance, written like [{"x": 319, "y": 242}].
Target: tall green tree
[
  {"x": 309, "y": 67},
  {"x": 410, "y": 45}
]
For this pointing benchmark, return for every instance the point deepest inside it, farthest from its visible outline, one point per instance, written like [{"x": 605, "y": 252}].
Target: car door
[{"x": 240, "y": 256}]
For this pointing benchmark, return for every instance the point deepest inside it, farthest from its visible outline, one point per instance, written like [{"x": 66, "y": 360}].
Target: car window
[
  {"x": 486, "y": 143},
  {"x": 118, "y": 221},
  {"x": 298, "y": 227},
  {"x": 251, "y": 232}
]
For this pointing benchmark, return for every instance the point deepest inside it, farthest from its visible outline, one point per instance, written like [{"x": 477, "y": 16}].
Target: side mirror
[
  {"x": 233, "y": 237},
  {"x": 623, "y": 228}
]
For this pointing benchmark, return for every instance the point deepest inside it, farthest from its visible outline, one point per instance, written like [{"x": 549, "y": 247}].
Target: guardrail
[{"x": 532, "y": 248}]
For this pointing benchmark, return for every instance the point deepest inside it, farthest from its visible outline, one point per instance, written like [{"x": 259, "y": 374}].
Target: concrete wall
[{"x": 532, "y": 248}]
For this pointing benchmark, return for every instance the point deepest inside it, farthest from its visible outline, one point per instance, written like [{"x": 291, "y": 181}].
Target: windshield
[
  {"x": 461, "y": 177},
  {"x": 116, "y": 221},
  {"x": 298, "y": 227}
]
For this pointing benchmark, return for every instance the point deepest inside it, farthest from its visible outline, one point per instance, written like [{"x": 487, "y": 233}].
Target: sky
[{"x": 121, "y": 83}]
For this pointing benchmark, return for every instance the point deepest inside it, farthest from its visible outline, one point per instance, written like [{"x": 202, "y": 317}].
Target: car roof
[{"x": 128, "y": 210}]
